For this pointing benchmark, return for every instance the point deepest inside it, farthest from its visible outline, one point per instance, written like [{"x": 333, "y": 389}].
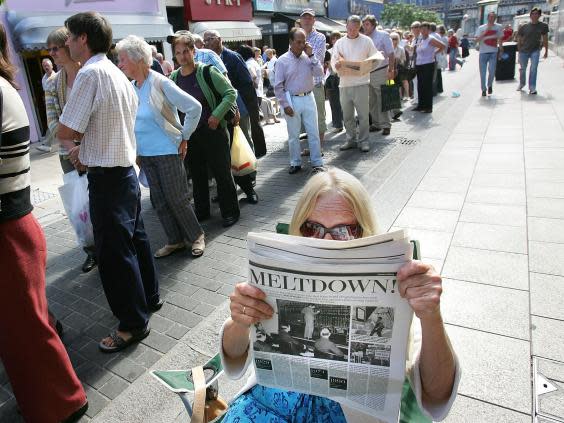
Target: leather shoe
[
  {"x": 386, "y": 131},
  {"x": 89, "y": 264},
  {"x": 374, "y": 128},
  {"x": 229, "y": 221},
  {"x": 294, "y": 169},
  {"x": 252, "y": 197},
  {"x": 156, "y": 306}
]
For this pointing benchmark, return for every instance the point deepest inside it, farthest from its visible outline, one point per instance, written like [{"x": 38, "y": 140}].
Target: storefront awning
[
  {"x": 229, "y": 30},
  {"x": 326, "y": 25},
  {"x": 30, "y": 31}
]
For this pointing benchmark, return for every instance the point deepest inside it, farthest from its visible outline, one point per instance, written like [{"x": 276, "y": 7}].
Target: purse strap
[
  {"x": 1, "y": 118},
  {"x": 199, "y": 407}
]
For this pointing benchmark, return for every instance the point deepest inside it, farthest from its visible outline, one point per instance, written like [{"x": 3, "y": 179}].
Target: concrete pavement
[{"x": 480, "y": 183}]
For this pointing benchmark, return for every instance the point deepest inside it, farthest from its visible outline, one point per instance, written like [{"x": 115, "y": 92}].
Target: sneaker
[
  {"x": 490, "y": 90},
  {"x": 348, "y": 145},
  {"x": 533, "y": 91},
  {"x": 520, "y": 87},
  {"x": 397, "y": 115},
  {"x": 317, "y": 169},
  {"x": 483, "y": 93},
  {"x": 44, "y": 148},
  {"x": 386, "y": 131},
  {"x": 364, "y": 147}
]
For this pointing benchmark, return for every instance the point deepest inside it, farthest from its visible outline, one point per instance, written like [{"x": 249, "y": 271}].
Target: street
[{"x": 480, "y": 183}]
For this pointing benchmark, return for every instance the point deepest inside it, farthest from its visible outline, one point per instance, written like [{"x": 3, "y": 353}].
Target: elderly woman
[
  {"x": 334, "y": 206},
  {"x": 426, "y": 49},
  {"x": 209, "y": 145},
  {"x": 162, "y": 144}
]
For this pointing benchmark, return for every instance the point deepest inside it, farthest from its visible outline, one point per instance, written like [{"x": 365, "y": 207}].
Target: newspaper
[
  {"x": 350, "y": 68},
  {"x": 340, "y": 328}
]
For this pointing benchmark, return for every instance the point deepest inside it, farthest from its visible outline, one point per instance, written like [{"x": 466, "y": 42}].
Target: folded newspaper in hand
[
  {"x": 340, "y": 328},
  {"x": 350, "y": 68}
]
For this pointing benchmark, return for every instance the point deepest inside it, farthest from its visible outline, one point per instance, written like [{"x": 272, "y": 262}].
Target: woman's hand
[
  {"x": 182, "y": 148},
  {"x": 213, "y": 122},
  {"x": 421, "y": 285},
  {"x": 248, "y": 305}
]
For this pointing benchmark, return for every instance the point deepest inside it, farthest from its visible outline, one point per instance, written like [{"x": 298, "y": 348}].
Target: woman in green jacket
[{"x": 209, "y": 144}]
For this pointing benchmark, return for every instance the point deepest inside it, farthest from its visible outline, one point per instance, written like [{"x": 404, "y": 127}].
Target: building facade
[{"x": 29, "y": 22}]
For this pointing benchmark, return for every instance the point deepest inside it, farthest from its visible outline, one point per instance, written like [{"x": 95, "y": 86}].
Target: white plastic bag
[
  {"x": 74, "y": 194},
  {"x": 243, "y": 160}
]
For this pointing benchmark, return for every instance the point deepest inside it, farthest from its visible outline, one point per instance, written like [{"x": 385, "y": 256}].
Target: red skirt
[{"x": 38, "y": 366}]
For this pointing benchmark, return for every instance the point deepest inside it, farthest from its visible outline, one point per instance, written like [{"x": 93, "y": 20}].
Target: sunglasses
[
  {"x": 338, "y": 233},
  {"x": 53, "y": 49}
]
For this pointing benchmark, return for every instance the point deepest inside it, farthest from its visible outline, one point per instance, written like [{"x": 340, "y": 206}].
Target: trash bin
[{"x": 505, "y": 68}]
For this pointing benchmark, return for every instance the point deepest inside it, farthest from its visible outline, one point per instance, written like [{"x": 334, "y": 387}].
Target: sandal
[
  {"x": 169, "y": 249},
  {"x": 118, "y": 343},
  {"x": 198, "y": 246}
]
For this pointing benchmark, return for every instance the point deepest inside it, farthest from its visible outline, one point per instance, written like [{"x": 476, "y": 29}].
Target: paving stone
[
  {"x": 547, "y": 338},
  {"x": 544, "y": 158},
  {"x": 96, "y": 402},
  {"x": 93, "y": 375},
  {"x": 159, "y": 342},
  {"x": 492, "y": 363},
  {"x": 546, "y": 175},
  {"x": 494, "y": 195},
  {"x": 59, "y": 310},
  {"x": 436, "y": 200},
  {"x": 77, "y": 321},
  {"x": 444, "y": 185},
  {"x": 498, "y": 180},
  {"x": 160, "y": 324},
  {"x": 126, "y": 368},
  {"x": 469, "y": 410},
  {"x": 547, "y": 230},
  {"x": 466, "y": 303},
  {"x": 545, "y": 257},
  {"x": 432, "y": 219},
  {"x": 210, "y": 297},
  {"x": 434, "y": 244},
  {"x": 545, "y": 207},
  {"x": 94, "y": 355},
  {"x": 97, "y": 331},
  {"x": 547, "y": 292},
  {"x": 512, "y": 239},
  {"x": 488, "y": 267},
  {"x": 183, "y": 301},
  {"x": 204, "y": 309},
  {"x": 148, "y": 358},
  {"x": 545, "y": 189},
  {"x": 494, "y": 214},
  {"x": 183, "y": 288},
  {"x": 177, "y": 331},
  {"x": 115, "y": 386}
]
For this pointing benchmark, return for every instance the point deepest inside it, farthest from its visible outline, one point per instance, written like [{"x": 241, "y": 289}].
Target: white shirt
[
  {"x": 103, "y": 106},
  {"x": 356, "y": 50},
  {"x": 256, "y": 73}
]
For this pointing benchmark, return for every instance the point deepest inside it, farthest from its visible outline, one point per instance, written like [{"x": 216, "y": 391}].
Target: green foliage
[{"x": 402, "y": 15}]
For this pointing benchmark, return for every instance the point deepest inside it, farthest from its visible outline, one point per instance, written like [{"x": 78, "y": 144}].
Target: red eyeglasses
[{"x": 338, "y": 233}]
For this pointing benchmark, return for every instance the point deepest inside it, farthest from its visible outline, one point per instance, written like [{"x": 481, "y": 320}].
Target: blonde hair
[{"x": 337, "y": 181}]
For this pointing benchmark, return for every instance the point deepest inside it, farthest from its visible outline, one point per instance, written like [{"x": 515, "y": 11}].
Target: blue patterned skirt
[{"x": 269, "y": 405}]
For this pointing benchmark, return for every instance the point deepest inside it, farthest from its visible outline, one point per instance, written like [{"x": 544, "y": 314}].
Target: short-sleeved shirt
[
  {"x": 530, "y": 36},
  {"x": 383, "y": 43},
  {"x": 189, "y": 84},
  {"x": 103, "y": 106},
  {"x": 489, "y": 43},
  {"x": 318, "y": 44},
  {"x": 209, "y": 57}
]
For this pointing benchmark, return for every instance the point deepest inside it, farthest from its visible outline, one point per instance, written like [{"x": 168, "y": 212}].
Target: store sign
[
  {"x": 338, "y": 9},
  {"x": 74, "y": 6},
  {"x": 218, "y": 10},
  {"x": 274, "y": 28},
  {"x": 294, "y": 7}
]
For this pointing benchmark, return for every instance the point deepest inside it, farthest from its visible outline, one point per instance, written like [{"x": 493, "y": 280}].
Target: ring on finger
[{"x": 244, "y": 309}]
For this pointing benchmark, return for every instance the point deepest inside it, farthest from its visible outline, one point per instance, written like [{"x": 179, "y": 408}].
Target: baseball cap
[
  {"x": 308, "y": 12},
  {"x": 171, "y": 38}
]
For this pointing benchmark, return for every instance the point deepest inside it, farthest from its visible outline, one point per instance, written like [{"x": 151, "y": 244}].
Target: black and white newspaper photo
[{"x": 338, "y": 318}]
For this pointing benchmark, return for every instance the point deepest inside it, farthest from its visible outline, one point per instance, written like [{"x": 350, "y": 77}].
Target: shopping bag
[
  {"x": 390, "y": 96},
  {"x": 74, "y": 194},
  {"x": 243, "y": 160}
]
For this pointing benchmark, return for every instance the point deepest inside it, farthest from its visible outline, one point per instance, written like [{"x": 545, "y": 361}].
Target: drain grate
[
  {"x": 38, "y": 196},
  {"x": 405, "y": 141},
  {"x": 549, "y": 391}
]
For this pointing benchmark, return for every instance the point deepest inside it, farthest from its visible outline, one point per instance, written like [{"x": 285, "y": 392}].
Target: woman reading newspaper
[{"x": 334, "y": 206}]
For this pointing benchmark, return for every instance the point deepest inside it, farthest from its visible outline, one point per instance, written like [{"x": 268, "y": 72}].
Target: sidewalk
[{"x": 480, "y": 184}]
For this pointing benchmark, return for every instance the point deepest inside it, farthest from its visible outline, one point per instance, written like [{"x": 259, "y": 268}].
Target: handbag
[
  {"x": 243, "y": 160},
  {"x": 390, "y": 96},
  {"x": 208, "y": 405},
  {"x": 232, "y": 112}
]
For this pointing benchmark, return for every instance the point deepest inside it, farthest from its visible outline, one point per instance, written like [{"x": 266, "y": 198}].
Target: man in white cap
[
  {"x": 318, "y": 43},
  {"x": 325, "y": 345}
]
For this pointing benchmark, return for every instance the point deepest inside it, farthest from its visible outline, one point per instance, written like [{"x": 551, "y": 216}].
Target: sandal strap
[{"x": 118, "y": 341}]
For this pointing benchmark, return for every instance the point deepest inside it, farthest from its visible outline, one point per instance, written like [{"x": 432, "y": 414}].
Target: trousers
[
  {"x": 124, "y": 255},
  {"x": 355, "y": 98},
  {"x": 305, "y": 112}
]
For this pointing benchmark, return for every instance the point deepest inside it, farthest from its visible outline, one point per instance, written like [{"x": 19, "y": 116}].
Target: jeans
[
  {"x": 124, "y": 256},
  {"x": 305, "y": 111},
  {"x": 524, "y": 57},
  {"x": 489, "y": 61},
  {"x": 453, "y": 60}
]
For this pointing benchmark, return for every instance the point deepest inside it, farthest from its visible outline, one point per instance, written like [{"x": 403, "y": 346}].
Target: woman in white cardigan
[{"x": 333, "y": 206}]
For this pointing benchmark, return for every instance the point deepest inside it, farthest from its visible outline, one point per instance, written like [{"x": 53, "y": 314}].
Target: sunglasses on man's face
[{"x": 338, "y": 233}]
